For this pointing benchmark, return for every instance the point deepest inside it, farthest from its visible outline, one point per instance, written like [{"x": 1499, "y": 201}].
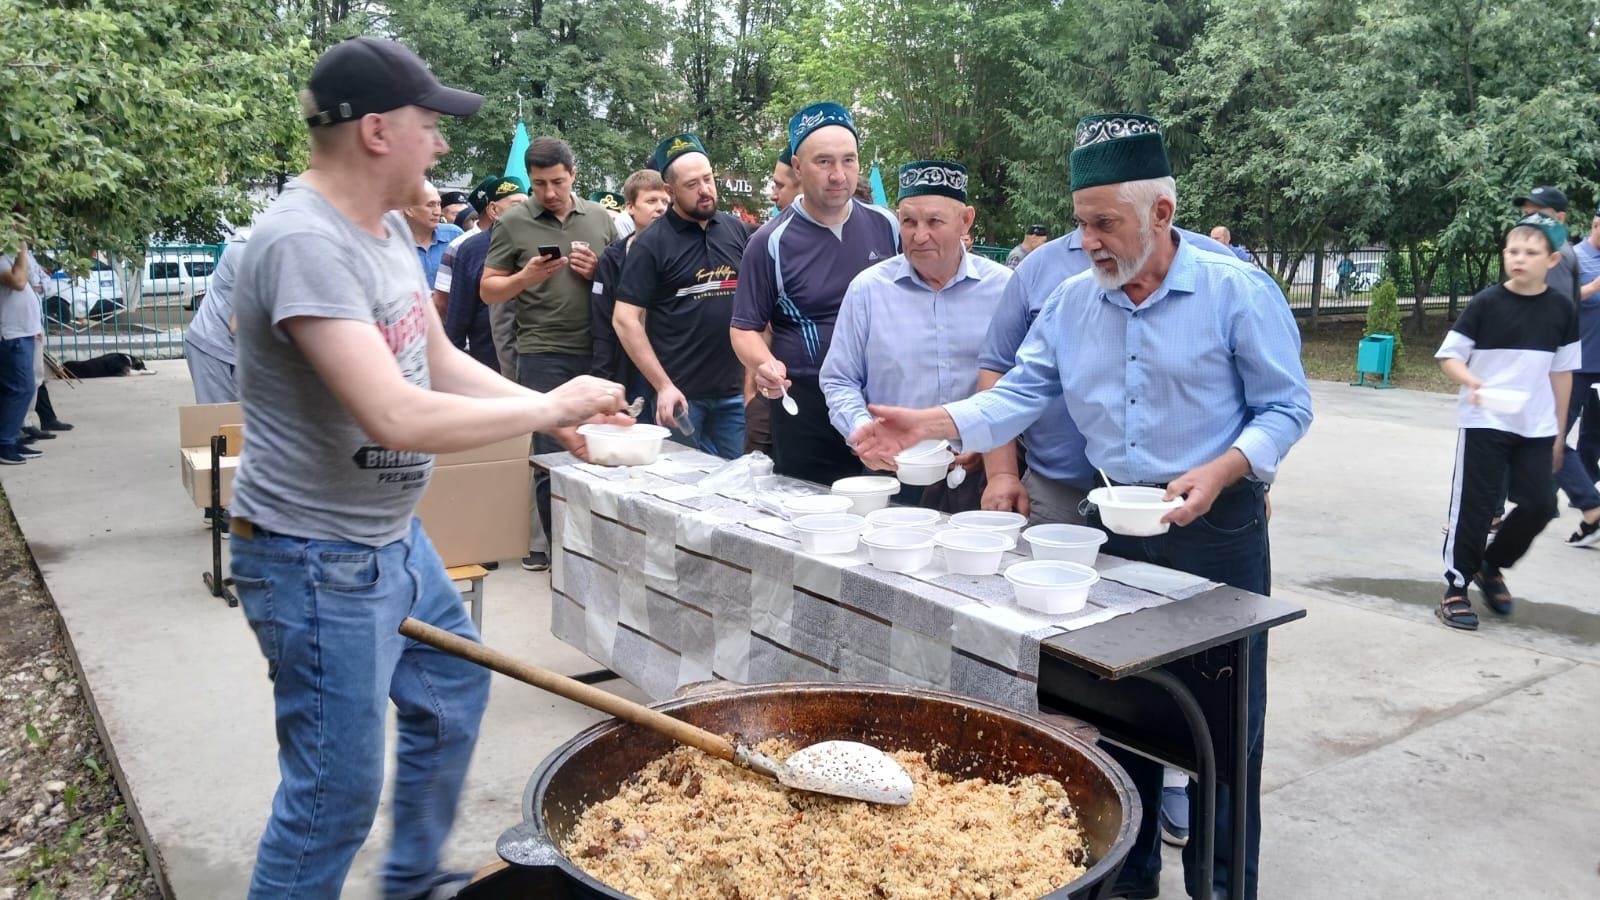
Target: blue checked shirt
[
  {"x": 900, "y": 342},
  {"x": 1209, "y": 361},
  {"x": 1053, "y": 443}
]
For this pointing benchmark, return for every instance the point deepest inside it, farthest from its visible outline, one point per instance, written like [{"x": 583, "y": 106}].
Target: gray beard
[{"x": 1126, "y": 268}]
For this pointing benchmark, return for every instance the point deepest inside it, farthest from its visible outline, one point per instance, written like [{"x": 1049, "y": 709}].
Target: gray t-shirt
[
  {"x": 209, "y": 330},
  {"x": 308, "y": 469},
  {"x": 20, "y": 314}
]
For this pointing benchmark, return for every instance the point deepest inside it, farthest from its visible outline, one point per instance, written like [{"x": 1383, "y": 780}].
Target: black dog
[{"x": 107, "y": 366}]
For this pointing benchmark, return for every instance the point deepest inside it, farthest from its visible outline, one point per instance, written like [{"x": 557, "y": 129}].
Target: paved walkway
[{"x": 1404, "y": 760}]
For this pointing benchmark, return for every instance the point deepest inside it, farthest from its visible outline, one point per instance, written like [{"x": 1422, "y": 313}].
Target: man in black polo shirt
[{"x": 675, "y": 301}]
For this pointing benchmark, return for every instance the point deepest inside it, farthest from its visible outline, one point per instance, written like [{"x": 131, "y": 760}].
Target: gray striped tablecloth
[{"x": 667, "y": 585}]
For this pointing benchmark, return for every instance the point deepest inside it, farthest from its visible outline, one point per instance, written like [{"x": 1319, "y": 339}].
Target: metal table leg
[
  {"x": 1206, "y": 776},
  {"x": 216, "y": 583},
  {"x": 1239, "y": 794}
]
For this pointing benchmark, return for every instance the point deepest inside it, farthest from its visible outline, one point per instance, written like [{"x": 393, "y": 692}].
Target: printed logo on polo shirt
[
  {"x": 873, "y": 255},
  {"x": 722, "y": 278}
]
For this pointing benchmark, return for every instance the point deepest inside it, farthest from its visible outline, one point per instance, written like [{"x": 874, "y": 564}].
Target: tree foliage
[
  {"x": 125, "y": 118},
  {"x": 1300, "y": 124}
]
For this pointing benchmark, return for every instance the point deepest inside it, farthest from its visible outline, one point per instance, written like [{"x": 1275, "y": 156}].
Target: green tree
[
  {"x": 1117, "y": 56},
  {"x": 925, "y": 78},
  {"x": 128, "y": 118},
  {"x": 588, "y": 71}
]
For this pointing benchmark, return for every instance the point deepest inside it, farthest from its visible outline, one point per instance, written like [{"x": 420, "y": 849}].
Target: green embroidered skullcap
[
  {"x": 786, "y": 155},
  {"x": 494, "y": 188},
  {"x": 674, "y": 147},
  {"x": 611, "y": 200},
  {"x": 933, "y": 177},
  {"x": 1550, "y": 225},
  {"x": 815, "y": 116},
  {"x": 1115, "y": 148}
]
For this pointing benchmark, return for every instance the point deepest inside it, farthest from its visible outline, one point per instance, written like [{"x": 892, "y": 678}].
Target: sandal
[
  {"x": 1456, "y": 612},
  {"x": 1587, "y": 533},
  {"x": 1495, "y": 593}
]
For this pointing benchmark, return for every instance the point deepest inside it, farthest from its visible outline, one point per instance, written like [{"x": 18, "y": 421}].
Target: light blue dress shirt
[
  {"x": 1209, "y": 361},
  {"x": 1054, "y": 445},
  {"x": 901, "y": 342}
]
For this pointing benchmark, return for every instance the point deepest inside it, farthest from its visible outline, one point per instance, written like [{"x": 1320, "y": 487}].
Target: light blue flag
[
  {"x": 878, "y": 196},
  {"x": 516, "y": 161}
]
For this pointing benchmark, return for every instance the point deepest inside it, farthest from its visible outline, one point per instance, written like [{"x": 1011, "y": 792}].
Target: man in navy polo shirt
[
  {"x": 675, "y": 300},
  {"x": 794, "y": 275}
]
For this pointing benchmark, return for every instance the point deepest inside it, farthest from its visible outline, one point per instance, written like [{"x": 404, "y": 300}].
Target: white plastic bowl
[
  {"x": 924, "y": 449},
  {"x": 815, "y": 505},
  {"x": 1502, "y": 400},
  {"x": 899, "y": 549},
  {"x": 869, "y": 492},
  {"x": 902, "y": 517},
  {"x": 1136, "y": 511},
  {"x": 923, "y": 470},
  {"x": 623, "y": 445},
  {"x": 830, "y": 533},
  {"x": 969, "y": 552},
  {"x": 1051, "y": 586},
  {"x": 1006, "y": 523},
  {"x": 1068, "y": 543}
]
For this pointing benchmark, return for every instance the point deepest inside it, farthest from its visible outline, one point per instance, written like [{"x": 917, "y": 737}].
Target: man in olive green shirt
[{"x": 552, "y": 293}]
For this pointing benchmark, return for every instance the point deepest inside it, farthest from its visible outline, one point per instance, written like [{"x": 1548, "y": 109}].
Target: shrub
[{"x": 1383, "y": 315}]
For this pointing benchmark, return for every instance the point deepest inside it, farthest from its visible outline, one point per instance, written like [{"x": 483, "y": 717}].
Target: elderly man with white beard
[{"x": 1182, "y": 370}]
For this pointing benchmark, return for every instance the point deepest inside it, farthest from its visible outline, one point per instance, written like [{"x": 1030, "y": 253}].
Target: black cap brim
[
  {"x": 451, "y": 102},
  {"x": 1518, "y": 201}
]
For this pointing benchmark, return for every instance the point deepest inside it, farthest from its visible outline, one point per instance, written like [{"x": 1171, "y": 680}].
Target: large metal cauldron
[{"x": 982, "y": 740}]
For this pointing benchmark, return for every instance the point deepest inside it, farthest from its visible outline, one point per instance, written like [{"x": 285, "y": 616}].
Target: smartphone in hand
[{"x": 550, "y": 251}]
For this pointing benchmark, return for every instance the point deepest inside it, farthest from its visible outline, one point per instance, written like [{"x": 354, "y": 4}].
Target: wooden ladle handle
[{"x": 573, "y": 690}]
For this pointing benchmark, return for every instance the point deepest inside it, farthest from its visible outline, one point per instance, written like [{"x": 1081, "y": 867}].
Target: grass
[{"x": 1329, "y": 353}]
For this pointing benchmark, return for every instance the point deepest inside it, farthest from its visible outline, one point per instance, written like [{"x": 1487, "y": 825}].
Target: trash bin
[{"x": 1375, "y": 356}]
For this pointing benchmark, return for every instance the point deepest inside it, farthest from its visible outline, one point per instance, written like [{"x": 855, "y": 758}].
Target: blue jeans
[
  {"x": 1228, "y": 544},
  {"x": 718, "y": 426},
  {"x": 16, "y": 388},
  {"x": 326, "y": 615},
  {"x": 1575, "y": 476}
]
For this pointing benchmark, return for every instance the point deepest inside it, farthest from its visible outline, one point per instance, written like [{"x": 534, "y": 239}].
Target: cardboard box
[
  {"x": 478, "y": 512},
  {"x": 197, "y": 475},
  {"x": 475, "y": 508}
]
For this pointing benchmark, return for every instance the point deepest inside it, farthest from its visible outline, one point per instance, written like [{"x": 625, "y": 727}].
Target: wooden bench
[{"x": 473, "y": 576}]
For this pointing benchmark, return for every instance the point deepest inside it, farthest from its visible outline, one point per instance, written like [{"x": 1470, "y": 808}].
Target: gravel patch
[{"x": 65, "y": 831}]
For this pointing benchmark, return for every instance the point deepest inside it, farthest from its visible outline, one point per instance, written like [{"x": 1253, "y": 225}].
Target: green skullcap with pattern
[{"x": 1115, "y": 148}]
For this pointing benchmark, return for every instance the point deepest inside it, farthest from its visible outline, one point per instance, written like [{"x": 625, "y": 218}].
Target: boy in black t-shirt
[{"x": 1512, "y": 351}]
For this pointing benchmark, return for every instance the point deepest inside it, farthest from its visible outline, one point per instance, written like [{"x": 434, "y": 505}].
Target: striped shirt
[
  {"x": 900, "y": 342},
  {"x": 1209, "y": 361}
]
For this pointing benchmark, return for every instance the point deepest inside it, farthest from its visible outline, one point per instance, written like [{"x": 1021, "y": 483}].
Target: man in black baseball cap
[
  {"x": 348, "y": 384},
  {"x": 362, "y": 75},
  {"x": 1563, "y": 276}
]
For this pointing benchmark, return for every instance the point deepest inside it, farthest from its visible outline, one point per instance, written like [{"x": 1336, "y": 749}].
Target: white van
[{"x": 173, "y": 275}]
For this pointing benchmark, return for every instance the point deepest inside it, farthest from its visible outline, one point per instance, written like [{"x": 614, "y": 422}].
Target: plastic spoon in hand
[
  {"x": 956, "y": 477},
  {"x": 633, "y": 409},
  {"x": 846, "y": 769},
  {"x": 789, "y": 406}
]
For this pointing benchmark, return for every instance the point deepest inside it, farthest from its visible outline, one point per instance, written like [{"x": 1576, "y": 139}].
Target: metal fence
[
  {"x": 1343, "y": 281},
  {"x": 136, "y": 306}
]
